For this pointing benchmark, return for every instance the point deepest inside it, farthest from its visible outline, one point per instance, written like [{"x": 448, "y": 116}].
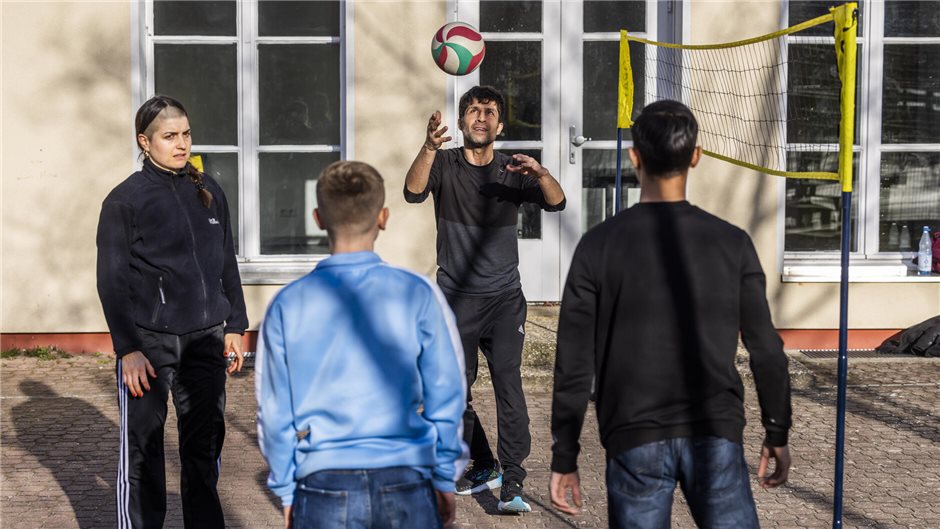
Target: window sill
[
  {"x": 858, "y": 273},
  {"x": 279, "y": 272}
]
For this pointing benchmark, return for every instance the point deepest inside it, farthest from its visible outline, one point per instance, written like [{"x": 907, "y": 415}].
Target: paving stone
[{"x": 58, "y": 421}]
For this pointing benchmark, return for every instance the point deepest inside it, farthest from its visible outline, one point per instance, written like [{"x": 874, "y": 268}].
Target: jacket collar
[
  {"x": 158, "y": 175},
  {"x": 348, "y": 259}
]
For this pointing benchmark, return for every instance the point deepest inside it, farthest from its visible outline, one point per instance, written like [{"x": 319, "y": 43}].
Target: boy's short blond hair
[{"x": 349, "y": 197}]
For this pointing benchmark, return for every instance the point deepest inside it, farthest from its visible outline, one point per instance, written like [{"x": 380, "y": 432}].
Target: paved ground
[{"x": 59, "y": 435}]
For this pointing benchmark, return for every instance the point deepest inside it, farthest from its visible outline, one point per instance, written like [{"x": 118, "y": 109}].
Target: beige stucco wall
[
  {"x": 397, "y": 87},
  {"x": 750, "y": 200},
  {"x": 67, "y": 140}
]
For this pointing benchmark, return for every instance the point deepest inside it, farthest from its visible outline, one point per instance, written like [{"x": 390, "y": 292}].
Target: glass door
[{"x": 556, "y": 63}]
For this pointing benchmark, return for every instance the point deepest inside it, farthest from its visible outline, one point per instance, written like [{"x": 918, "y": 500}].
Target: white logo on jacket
[{"x": 212, "y": 220}]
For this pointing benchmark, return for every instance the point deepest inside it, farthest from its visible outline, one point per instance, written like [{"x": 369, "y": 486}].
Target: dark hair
[
  {"x": 349, "y": 197},
  {"x": 146, "y": 115},
  {"x": 665, "y": 134},
  {"x": 482, "y": 94}
]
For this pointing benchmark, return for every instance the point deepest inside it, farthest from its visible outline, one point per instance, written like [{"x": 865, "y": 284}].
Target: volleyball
[{"x": 458, "y": 48}]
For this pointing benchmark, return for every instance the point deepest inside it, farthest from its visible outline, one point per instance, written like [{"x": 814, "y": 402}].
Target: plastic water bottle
[
  {"x": 905, "y": 243},
  {"x": 924, "y": 254}
]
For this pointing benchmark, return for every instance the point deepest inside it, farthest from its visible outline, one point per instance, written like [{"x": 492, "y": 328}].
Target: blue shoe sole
[
  {"x": 517, "y": 505},
  {"x": 489, "y": 485}
]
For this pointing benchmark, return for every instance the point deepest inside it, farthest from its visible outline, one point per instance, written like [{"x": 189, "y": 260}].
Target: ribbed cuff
[
  {"x": 564, "y": 464},
  {"x": 776, "y": 438},
  {"x": 443, "y": 485}
]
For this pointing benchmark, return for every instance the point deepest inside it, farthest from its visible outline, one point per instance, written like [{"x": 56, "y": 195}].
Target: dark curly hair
[{"x": 483, "y": 94}]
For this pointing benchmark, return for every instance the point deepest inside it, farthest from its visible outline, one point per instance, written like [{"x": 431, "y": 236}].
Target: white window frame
[
  {"x": 866, "y": 264},
  {"x": 254, "y": 267}
]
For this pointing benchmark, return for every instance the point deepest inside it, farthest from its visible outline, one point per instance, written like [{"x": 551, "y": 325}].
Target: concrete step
[{"x": 538, "y": 355}]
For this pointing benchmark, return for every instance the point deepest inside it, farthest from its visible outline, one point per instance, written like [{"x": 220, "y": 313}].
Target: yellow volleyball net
[{"x": 739, "y": 93}]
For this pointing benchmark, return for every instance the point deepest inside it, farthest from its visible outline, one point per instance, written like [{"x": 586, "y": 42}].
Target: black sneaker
[
  {"x": 479, "y": 478},
  {"x": 510, "y": 498}
]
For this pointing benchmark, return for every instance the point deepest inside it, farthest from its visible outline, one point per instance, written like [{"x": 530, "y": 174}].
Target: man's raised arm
[{"x": 416, "y": 181}]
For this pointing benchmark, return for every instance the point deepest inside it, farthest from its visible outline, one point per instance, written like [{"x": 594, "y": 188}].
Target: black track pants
[
  {"x": 496, "y": 325},
  {"x": 193, "y": 368}
]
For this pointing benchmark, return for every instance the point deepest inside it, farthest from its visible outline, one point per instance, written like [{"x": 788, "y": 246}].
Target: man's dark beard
[{"x": 470, "y": 144}]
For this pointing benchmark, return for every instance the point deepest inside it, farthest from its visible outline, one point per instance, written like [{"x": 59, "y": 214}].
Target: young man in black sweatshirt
[{"x": 654, "y": 303}]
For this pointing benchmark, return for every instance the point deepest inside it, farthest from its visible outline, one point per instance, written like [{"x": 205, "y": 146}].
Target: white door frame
[{"x": 543, "y": 263}]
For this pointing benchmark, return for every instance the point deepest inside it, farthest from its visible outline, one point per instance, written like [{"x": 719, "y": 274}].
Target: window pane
[
  {"x": 814, "y": 207},
  {"x": 182, "y": 71},
  {"x": 511, "y": 16},
  {"x": 295, "y": 18},
  {"x": 299, "y": 94},
  {"x": 912, "y": 19},
  {"x": 529, "y": 225},
  {"x": 910, "y": 198},
  {"x": 515, "y": 69},
  {"x": 911, "y": 94},
  {"x": 613, "y": 15},
  {"x": 813, "y": 94},
  {"x": 803, "y": 10},
  {"x": 599, "y": 169},
  {"x": 601, "y": 65},
  {"x": 194, "y": 18},
  {"x": 223, "y": 168},
  {"x": 288, "y": 196}
]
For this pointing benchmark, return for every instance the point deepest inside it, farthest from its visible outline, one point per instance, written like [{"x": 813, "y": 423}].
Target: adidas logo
[
  {"x": 521, "y": 330},
  {"x": 212, "y": 220}
]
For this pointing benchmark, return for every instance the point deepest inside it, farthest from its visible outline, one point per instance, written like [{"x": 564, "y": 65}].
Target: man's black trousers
[
  {"x": 496, "y": 325},
  {"x": 192, "y": 367}
]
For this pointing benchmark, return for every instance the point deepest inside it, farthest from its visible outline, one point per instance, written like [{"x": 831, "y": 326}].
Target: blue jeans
[
  {"x": 382, "y": 498},
  {"x": 711, "y": 471}
]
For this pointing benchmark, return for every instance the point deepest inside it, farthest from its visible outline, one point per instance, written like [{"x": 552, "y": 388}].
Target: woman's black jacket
[{"x": 165, "y": 261}]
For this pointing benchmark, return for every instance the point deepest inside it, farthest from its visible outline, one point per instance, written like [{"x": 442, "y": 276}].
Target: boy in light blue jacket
[{"x": 359, "y": 379}]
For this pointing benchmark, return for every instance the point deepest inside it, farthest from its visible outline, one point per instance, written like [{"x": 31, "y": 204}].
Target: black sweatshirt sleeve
[
  {"x": 767, "y": 360},
  {"x": 237, "y": 320},
  {"x": 574, "y": 362},
  {"x": 115, "y": 226}
]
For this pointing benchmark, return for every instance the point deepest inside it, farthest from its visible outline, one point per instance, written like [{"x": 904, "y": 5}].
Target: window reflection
[
  {"x": 598, "y": 185},
  {"x": 813, "y": 220},
  {"x": 288, "y": 197},
  {"x": 515, "y": 69},
  {"x": 909, "y": 199}
]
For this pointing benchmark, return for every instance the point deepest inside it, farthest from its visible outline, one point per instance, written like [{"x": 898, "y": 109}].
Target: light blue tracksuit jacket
[{"x": 360, "y": 366}]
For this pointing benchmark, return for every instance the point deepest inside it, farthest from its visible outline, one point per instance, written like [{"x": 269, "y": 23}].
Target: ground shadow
[
  {"x": 861, "y": 401},
  {"x": 76, "y": 443}
]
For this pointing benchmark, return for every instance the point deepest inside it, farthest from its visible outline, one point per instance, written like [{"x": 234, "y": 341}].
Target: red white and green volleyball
[{"x": 458, "y": 48}]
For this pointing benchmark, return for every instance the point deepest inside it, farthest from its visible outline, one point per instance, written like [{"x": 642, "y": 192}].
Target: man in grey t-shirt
[{"x": 477, "y": 193}]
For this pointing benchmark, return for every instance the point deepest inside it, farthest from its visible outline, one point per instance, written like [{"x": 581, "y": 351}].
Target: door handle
[{"x": 574, "y": 140}]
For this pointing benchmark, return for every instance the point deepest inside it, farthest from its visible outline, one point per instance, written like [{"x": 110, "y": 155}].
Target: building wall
[
  {"x": 398, "y": 87},
  {"x": 68, "y": 139},
  {"x": 751, "y": 200}
]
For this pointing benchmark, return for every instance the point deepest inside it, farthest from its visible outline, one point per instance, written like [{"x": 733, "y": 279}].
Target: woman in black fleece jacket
[{"x": 169, "y": 285}]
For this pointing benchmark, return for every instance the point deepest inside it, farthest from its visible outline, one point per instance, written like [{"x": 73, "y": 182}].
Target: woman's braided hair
[{"x": 145, "y": 116}]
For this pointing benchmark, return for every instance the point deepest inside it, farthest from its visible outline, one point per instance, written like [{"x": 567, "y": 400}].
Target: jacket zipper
[
  {"x": 192, "y": 238},
  {"x": 156, "y": 308}
]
